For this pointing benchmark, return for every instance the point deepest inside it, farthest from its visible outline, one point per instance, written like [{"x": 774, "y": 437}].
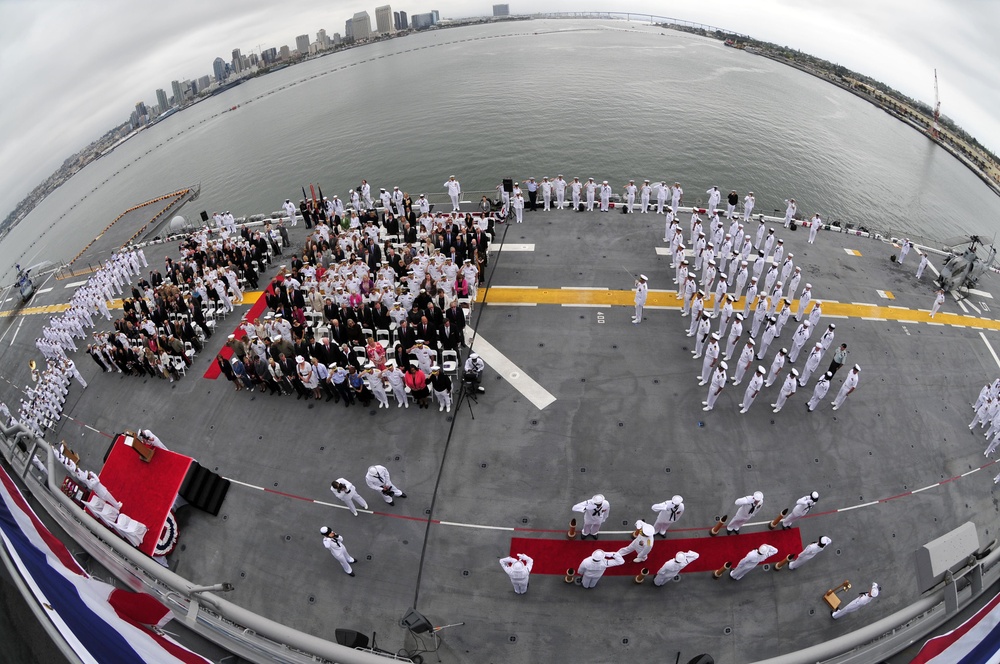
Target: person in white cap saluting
[
  {"x": 862, "y": 600},
  {"x": 675, "y": 196},
  {"x": 590, "y": 188},
  {"x": 810, "y": 552},
  {"x": 518, "y": 569},
  {"x": 334, "y": 543},
  {"x": 752, "y": 559},
  {"x": 787, "y": 390},
  {"x": 642, "y": 544},
  {"x": 802, "y": 507},
  {"x": 938, "y": 301},
  {"x": 819, "y": 391},
  {"x": 559, "y": 184},
  {"x": 575, "y": 189},
  {"x": 753, "y": 389},
  {"x": 454, "y": 191},
  {"x": 673, "y": 567},
  {"x": 644, "y": 191},
  {"x": 719, "y": 379},
  {"x": 595, "y": 513},
  {"x": 592, "y": 568},
  {"x": 630, "y": 191},
  {"x": 850, "y": 384},
  {"x": 667, "y": 514},
  {"x": 546, "y": 187},
  {"x": 746, "y": 506},
  {"x": 641, "y": 288},
  {"x": 605, "y": 196},
  {"x": 714, "y": 196}
]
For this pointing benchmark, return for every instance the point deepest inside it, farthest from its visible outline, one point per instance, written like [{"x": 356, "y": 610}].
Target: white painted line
[
  {"x": 929, "y": 486},
  {"x": 864, "y": 304},
  {"x": 91, "y": 428},
  {"x": 513, "y": 287},
  {"x": 662, "y": 290},
  {"x": 894, "y": 306},
  {"x": 849, "y": 252},
  {"x": 584, "y": 288},
  {"x": 969, "y": 472},
  {"x": 592, "y": 306},
  {"x": 668, "y": 307},
  {"x": 8, "y": 300},
  {"x": 989, "y": 346},
  {"x": 857, "y": 507},
  {"x": 973, "y": 291},
  {"x": 663, "y": 251},
  {"x": 973, "y": 307},
  {"x": 513, "y": 374},
  {"x": 75, "y": 284},
  {"x": 882, "y": 294},
  {"x": 513, "y": 247},
  {"x": 868, "y": 318},
  {"x": 934, "y": 269},
  {"x": 512, "y": 304},
  {"x": 938, "y": 324},
  {"x": 481, "y": 527},
  {"x": 832, "y": 316},
  {"x": 44, "y": 290},
  {"x": 16, "y": 331},
  {"x": 249, "y": 486},
  {"x": 961, "y": 305}
]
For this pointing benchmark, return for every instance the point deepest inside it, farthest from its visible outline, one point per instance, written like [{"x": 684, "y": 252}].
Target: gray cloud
[{"x": 72, "y": 69}]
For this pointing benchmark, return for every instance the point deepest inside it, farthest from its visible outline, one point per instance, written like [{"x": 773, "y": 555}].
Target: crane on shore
[{"x": 937, "y": 108}]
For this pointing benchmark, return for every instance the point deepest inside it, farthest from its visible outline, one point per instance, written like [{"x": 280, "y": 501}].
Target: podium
[
  {"x": 144, "y": 451},
  {"x": 831, "y": 597}
]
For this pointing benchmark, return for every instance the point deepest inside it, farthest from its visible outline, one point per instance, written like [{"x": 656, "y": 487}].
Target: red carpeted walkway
[
  {"x": 255, "y": 311},
  {"x": 555, "y": 556},
  {"x": 146, "y": 490}
]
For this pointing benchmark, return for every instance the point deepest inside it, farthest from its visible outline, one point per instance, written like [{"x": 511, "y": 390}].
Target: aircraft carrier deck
[{"x": 580, "y": 401}]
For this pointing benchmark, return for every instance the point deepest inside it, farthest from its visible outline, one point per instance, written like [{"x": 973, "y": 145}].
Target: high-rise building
[
  {"x": 302, "y": 45},
  {"x": 421, "y": 21},
  {"x": 404, "y": 23},
  {"x": 205, "y": 82},
  {"x": 161, "y": 100},
  {"x": 349, "y": 29},
  {"x": 501, "y": 10},
  {"x": 322, "y": 39},
  {"x": 383, "y": 20},
  {"x": 237, "y": 61},
  {"x": 395, "y": 21},
  {"x": 219, "y": 68},
  {"x": 361, "y": 26},
  {"x": 175, "y": 87},
  {"x": 286, "y": 53},
  {"x": 336, "y": 39},
  {"x": 435, "y": 16}
]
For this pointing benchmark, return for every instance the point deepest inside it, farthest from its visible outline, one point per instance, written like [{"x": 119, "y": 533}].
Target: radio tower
[{"x": 937, "y": 108}]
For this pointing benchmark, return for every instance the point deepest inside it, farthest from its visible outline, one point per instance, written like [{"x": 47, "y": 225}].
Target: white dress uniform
[
  {"x": 776, "y": 365},
  {"x": 673, "y": 567},
  {"x": 595, "y": 513},
  {"x": 819, "y": 391},
  {"x": 802, "y": 507},
  {"x": 719, "y": 379},
  {"x": 714, "y": 196},
  {"x": 752, "y": 559},
  {"x": 630, "y": 192},
  {"x": 790, "y": 211},
  {"x": 747, "y": 506},
  {"x": 743, "y": 364},
  {"x": 642, "y": 544},
  {"x": 675, "y": 196},
  {"x": 799, "y": 340},
  {"x": 397, "y": 382},
  {"x": 711, "y": 355},
  {"x": 373, "y": 377},
  {"x": 559, "y": 184},
  {"x": 667, "y": 514},
  {"x": 546, "y": 188},
  {"x": 859, "y": 602},
  {"x": 518, "y": 569},
  {"x": 576, "y": 188},
  {"x": 810, "y": 552},
  {"x": 938, "y": 301},
  {"x": 289, "y": 208},
  {"x": 748, "y": 203},
  {"x": 378, "y": 479},
  {"x": 592, "y": 568},
  {"x": 517, "y": 204},
  {"x": 334, "y": 543},
  {"x": 591, "y": 189},
  {"x": 922, "y": 265},
  {"x": 349, "y": 496},
  {"x": 701, "y": 335},
  {"x": 850, "y": 383},
  {"x": 753, "y": 389},
  {"x": 661, "y": 196},
  {"x": 644, "y": 193},
  {"x": 787, "y": 390},
  {"x": 814, "y": 225},
  {"x": 454, "y": 191},
  {"x": 605, "y": 196},
  {"x": 735, "y": 332},
  {"x": 812, "y": 363},
  {"x": 641, "y": 288}
]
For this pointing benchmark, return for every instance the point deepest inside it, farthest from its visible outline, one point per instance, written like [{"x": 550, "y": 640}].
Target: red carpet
[
  {"x": 146, "y": 490},
  {"x": 555, "y": 556},
  {"x": 256, "y": 310}
]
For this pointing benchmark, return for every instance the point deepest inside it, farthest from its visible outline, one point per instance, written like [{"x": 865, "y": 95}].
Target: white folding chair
[
  {"x": 180, "y": 366},
  {"x": 382, "y": 336},
  {"x": 449, "y": 362},
  {"x": 362, "y": 356}
]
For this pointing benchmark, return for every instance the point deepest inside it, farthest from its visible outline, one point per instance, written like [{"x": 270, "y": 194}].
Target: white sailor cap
[
  {"x": 824, "y": 540},
  {"x": 761, "y": 370},
  {"x": 795, "y": 372},
  {"x": 875, "y": 590},
  {"x": 644, "y": 277},
  {"x": 758, "y": 496},
  {"x": 725, "y": 367},
  {"x": 598, "y": 498},
  {"x": 857, "y": 367},
  {"x": 716, "y": 336},
  {"x": 597, "y": 555}
]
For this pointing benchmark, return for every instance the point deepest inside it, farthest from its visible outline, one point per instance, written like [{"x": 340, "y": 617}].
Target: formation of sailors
[{"x": 42, "y": 405}]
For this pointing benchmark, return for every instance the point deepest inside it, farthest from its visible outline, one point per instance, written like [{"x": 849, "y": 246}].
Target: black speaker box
[
  {"x": 350, "y": 638},
  {"x": 508, "y": 185},
  {"x": 416, "y": 622}
]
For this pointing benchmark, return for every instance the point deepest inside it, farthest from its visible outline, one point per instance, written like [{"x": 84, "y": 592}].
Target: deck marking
[
  {"x": 989, "y": 347},
  {"x": 44, "y": 290},
  {"x": 513, "y": 374},
  {"x": 973, "y": 307},
  {"x": 74, "y": 284},
  {"x": 857, "y": 507},
  {"x": 513, "y": 247},
  {"x": 938, "y": 324},
  {"x": 886, "y": 295},
  {"x": 973, "y": 291},
  {"x": 515, "y": 304},
  {"x": 663, "y": 251},
  {"x": 872, "y": 318},
  {"x": 961, "y": 305},
  {"x": 16, "y": 331},
  {"x": 852, "y": 252},
  {"x": 584, "y": 288}
]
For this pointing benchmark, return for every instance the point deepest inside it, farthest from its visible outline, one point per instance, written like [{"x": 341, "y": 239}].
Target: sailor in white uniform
[
  {"x": 861, "y": 601},
  {"x": 642, "y": 544},
  {"x": 714, "y": 197},
  {"x": 591, "y": 189},
  {"x": 819, "y": 391},
  {"x": 546, "y": 194},
  {"x": 719, "y": 379},
  {"x": 744, "y": 362},
  {"x": 630, "y": 192},
  {"x": 289, "y": 207},
  {"x": 576, "y": 188},
  {"x": 802, "y": 507},
  {"x": 377, "y": 478},
  {"x": 799, "y": 340},
  {"x": 644, "y": 191},
  {"x": 518, "y": 569},
  {"x": 790, "y": 211},
  {"x": 746, "y": 506},
  {"x": 667, "y": 514},
  {"x": 592, "y": 568},
  {"x": 921, "y": 265},
  {"x": 787, "y": 390},
  {"x": 348, "y": 495},
  {"x": 605, "y": 196},
  {"x": 595, "y": 513},
  {"x": 751, "y": 560},
  {"x": 672, "y": 568},
  {"x": 748, "y": 203},
  {"x": 559, "y": 184},
  {"x": 753, "y": 389},
  {"x": 814, "y": 225},
  {"x": 334, "y": 543},
  {"x": 812, "y": 363},
  {"x": 641, "y": 289},
  {"x": 675, "y": 196},
  {"x": 938, "y": 301},
  {"x": 811, "y": 551},
  {"x": 454, "y": 191},
  {"x": 849, "y": 385}
]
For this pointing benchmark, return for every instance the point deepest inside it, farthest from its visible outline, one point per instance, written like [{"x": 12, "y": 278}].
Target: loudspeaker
[
  {"x": 508, "y": 185},
  {"x": 416, "y": 622},
  {"x": 792, "y": 225},
  {"x": 350, "y": 638},
  {"x": 702, "y": 659},
  {"x": 204, "y": 216}
]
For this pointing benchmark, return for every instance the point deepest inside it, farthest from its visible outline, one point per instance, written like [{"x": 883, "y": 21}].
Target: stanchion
[
  {"x": 570, "y": 575},
  {"x": 776, "y": 520},
  {"x": 571, "y": 533},
  {"x": 641, "y": 576},
  {"x": 781, "y": 563},
  {"x": 717, "y": 574},
  {"x": 718, "y": 526}
]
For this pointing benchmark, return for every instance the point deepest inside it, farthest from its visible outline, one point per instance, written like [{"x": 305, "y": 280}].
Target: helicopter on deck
[{"x": 964, "y": 265}]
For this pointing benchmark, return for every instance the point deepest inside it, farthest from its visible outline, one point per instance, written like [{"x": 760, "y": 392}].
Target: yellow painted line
[
  {"x": 249, "y": 298},
  {"x": 559, "y": 296}
]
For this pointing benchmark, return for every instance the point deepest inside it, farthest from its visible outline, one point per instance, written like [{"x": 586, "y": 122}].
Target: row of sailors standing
[
  {"x": 42, "y": 404},
  {"x": 987, "y": 412}
]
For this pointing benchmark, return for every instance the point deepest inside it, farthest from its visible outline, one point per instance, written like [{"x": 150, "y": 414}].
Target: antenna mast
[{"x": 937, "y": 107}]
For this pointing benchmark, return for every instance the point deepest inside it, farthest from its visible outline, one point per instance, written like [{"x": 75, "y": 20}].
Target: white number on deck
[{"x": 600, "y": 318}]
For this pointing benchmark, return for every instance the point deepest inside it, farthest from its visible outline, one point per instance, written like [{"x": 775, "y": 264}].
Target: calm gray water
[{"x": 586, "y": 98}]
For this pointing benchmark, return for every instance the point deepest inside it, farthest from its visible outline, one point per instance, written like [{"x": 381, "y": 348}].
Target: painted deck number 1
[{"x": 600, "y": 318}]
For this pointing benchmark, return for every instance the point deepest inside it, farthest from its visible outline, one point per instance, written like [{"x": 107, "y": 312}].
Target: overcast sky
[{"x": 73, "y": 69}]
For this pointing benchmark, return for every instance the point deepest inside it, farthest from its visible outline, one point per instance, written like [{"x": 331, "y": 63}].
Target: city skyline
[{"x": 892, "y": 42}]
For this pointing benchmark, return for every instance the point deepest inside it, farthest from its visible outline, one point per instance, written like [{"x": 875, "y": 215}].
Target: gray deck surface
[{"x": 627, "y": 422}]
